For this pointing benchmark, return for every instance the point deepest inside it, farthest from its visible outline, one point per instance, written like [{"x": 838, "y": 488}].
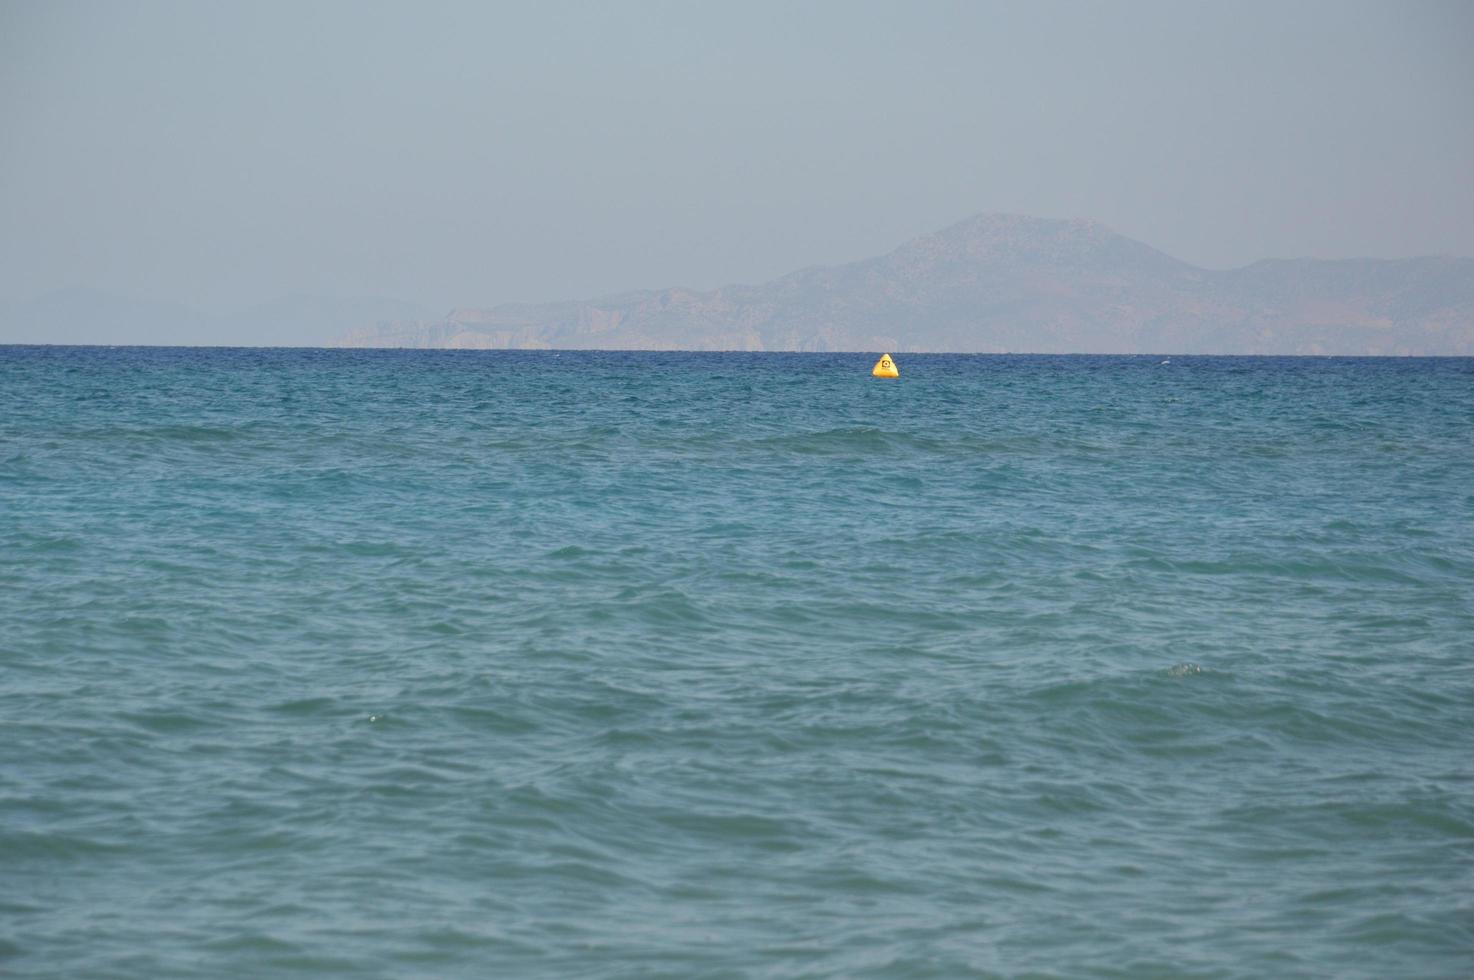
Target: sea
[{"x": 332, "y": 663}]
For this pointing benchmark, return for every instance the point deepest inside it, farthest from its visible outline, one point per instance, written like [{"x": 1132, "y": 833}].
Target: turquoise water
[{"x": 465, "y": 664}]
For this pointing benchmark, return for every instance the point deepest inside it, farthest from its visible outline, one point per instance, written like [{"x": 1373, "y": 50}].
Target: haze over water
[{"x": 539, "y": 664}]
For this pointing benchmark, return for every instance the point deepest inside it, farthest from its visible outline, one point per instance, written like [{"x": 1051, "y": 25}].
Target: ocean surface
[{"x": 483, "y": 664}]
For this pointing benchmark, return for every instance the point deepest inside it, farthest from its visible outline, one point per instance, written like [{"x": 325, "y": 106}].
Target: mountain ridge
[
  {"x": 1007, "y": 283},
  {"x": 988, "y": 283}
]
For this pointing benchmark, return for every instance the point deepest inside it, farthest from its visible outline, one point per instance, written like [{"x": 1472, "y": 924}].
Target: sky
[{"x": 452, "y": 154}]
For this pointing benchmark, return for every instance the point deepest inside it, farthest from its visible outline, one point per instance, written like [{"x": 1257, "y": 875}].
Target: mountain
[
  {"x": 999, "y": 282},
  {"x": 91, "y": 316}
]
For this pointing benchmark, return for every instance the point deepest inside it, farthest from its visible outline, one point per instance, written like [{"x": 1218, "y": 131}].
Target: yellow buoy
[{"x": 885, "y": 368}]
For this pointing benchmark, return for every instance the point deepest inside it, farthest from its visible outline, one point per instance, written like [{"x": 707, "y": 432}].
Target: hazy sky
[{"x": 462, "y": 154}]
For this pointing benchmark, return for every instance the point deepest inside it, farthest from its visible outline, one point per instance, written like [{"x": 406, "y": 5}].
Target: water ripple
[{"x": 592, "y": 665}]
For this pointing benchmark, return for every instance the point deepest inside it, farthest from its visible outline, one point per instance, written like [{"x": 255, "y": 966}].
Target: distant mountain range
[
  {"x": 992, "y": 283},
  {"x": 996, "y": 283}
]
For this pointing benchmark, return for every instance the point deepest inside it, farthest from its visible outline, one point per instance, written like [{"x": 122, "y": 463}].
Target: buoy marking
[{"x": 885, "y": 368}]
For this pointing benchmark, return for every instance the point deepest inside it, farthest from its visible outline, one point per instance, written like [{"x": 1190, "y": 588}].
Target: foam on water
[{"x": 536, "y": 664}]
